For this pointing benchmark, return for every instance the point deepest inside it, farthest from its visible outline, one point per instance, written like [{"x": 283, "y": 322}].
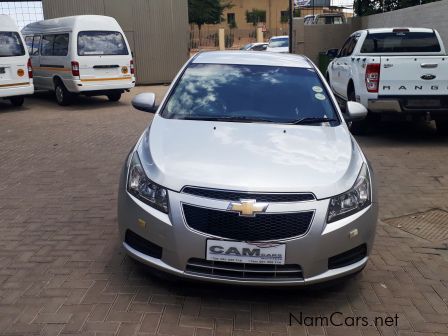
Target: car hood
[{"x": 250, "y": 156}]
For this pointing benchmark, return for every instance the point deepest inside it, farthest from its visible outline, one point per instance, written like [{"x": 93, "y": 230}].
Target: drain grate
[{"x": 431, "y": 225}]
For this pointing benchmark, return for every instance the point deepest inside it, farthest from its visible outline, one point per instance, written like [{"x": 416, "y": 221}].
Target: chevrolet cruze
[{"x": 248, "y": 174}]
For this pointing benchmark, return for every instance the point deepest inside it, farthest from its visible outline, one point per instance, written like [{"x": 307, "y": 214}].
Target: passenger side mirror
[
  {"x": 355, "y": 111},
  {"x": 145, "y": 102},
  {"x": 332, "y": 52}
]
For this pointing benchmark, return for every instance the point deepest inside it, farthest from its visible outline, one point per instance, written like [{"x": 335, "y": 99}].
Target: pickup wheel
[
  {"x": 442, "y": 126},
  {"x": 358, "y": 127}
]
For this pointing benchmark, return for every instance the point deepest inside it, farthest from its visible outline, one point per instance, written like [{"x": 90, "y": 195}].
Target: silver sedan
[{"x": 248, "y": 174}]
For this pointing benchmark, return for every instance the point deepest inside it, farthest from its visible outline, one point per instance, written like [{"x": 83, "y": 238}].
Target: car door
[
  {"x": 346, "y": 66},
  {"x": 336, "y": 69}
]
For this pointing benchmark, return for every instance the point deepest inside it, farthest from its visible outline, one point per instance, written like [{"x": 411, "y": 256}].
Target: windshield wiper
[
  {"x": 230, "y": 119},
  {"x": 313, "y": 120}
]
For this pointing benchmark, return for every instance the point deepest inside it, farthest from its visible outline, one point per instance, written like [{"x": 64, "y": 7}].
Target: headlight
[
  {"x": 354, "y": 200},
  {"x": 141, "y": 187}
]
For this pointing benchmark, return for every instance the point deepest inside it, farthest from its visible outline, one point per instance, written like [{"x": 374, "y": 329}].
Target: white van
[
  {"x": 85, "y": 54},
  {"x": 16, "y": 75}
]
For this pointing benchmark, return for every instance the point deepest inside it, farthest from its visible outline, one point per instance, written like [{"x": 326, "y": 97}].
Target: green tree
[
  {"x": 255, "y": 16},
  {"x": 202, "y": 12},
  {"x": 369, "y": 7}
]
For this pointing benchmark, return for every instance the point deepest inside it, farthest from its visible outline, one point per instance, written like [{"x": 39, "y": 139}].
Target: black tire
[
  {"x": 63, "y": 97},
  {"x": 442, "y": 126},
  {"x": 114, "y": 97},
  {"x": 17, "y": 100},
  {"x": 361, "y": 127}
]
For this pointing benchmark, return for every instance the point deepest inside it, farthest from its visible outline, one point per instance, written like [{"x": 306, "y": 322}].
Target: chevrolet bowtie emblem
[{"x": 248, "y": 207}]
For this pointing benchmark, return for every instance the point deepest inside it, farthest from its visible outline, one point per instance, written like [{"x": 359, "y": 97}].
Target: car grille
[
  {"x": 260, "y": 197},
  {"x": 227, "y": 270},
  {"x": 262, "y": 227}
]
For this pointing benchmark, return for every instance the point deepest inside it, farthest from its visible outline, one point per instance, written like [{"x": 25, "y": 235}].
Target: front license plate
[{"x": 247, "y": 253}]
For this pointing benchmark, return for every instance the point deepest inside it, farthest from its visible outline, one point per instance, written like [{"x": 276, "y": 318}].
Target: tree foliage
[
  {"x": 369, "y": 7},
  {"x": 202, "y": 12}
]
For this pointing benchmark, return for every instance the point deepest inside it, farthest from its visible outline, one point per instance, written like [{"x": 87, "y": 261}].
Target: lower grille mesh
[{"x": 227, "y": 270}]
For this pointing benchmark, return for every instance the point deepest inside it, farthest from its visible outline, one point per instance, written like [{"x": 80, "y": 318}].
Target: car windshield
[
  {"x": 404, "y": 42},
  {"x": 11, "y": 44},
  {"x": 92, "y": 43},
  {"x": 250, "y": 93},
  {"x": 279, "y": 43}
]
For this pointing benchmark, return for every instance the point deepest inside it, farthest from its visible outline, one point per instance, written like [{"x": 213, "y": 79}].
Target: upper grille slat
[
  {"x": 262, "y": 227},
  {"x": 238, "y": 195}
]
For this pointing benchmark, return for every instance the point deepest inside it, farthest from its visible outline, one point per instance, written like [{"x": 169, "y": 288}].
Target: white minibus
[
  {"x": 16, "y": 75},
  {"x": 84, "y": 54}
]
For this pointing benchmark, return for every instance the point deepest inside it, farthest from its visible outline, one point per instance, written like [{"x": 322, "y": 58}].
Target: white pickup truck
[{"x": 400, "y": 71}]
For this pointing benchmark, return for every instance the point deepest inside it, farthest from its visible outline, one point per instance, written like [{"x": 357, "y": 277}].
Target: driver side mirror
[
  {"x": 332, "y": 52},
  {"x": 145, "y": 102},
  {"x": 355, "y": 111}
]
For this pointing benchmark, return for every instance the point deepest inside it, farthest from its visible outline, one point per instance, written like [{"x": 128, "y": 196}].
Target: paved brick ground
[{"x": 62, "y": 270}]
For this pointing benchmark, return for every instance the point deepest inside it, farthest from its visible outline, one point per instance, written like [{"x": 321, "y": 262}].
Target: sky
[{"x": 23, "y": 12}]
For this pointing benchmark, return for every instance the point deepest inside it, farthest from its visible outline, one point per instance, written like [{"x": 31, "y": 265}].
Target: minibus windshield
[
  {"x": 11, "y": 44},
  {"x": 94, "y": 43}
]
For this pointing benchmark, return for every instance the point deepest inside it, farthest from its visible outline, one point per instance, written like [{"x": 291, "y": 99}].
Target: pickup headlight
[
  {"x": 141, "y": 187},
  {"x": 352, "y": 201}
]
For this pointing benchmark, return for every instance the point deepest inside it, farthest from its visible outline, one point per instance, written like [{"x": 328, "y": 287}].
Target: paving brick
[{"x": 62, "y": 270}]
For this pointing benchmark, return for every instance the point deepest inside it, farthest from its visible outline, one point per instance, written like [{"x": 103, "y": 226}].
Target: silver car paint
[{"x": 249, "y": 157}]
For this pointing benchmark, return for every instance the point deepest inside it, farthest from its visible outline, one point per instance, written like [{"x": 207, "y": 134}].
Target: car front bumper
[{"x": 180, "y": 243}]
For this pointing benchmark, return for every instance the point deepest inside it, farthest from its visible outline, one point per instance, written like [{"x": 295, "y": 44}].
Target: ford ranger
[{"x": 400, "y": 71}]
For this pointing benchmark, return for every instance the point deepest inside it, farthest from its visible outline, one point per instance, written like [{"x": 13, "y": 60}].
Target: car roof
[
  {"x": 253, "y": 58},
  {"x": 329, "y": 14},
  {"x": 279, "y": 37},
  {"x": 390, "y": 30}
]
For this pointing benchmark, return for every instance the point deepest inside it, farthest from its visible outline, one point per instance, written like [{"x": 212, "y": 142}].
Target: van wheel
[
  {"x": 17, "y": 101},
  {"x": 442, "y": 126},
  {"x": 114, "y": 97},
  {"x": 63, "y": 97}
]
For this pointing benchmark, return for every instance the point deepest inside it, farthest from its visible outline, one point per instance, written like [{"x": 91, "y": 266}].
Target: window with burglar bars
[{"x": 23, "y": 12}]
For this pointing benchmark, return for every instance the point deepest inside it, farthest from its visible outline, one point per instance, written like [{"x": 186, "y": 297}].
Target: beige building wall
[{"x": 157, "y": 31}]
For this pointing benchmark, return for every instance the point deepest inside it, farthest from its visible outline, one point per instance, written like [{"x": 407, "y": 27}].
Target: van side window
[
  {"x": 55, "y": 45},
  {"x": 60, "y": 47},
  {"x": 36, "y": 45},
  {"x": 29, "y": 43},
  {"x": 47, "y": 45}
]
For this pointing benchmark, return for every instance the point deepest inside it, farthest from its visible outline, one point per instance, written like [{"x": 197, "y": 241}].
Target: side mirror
[
  {"x": 145, "y": 102},
  {"x": 332, "y": 52},
  {"x": 355, "y": 111}
]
